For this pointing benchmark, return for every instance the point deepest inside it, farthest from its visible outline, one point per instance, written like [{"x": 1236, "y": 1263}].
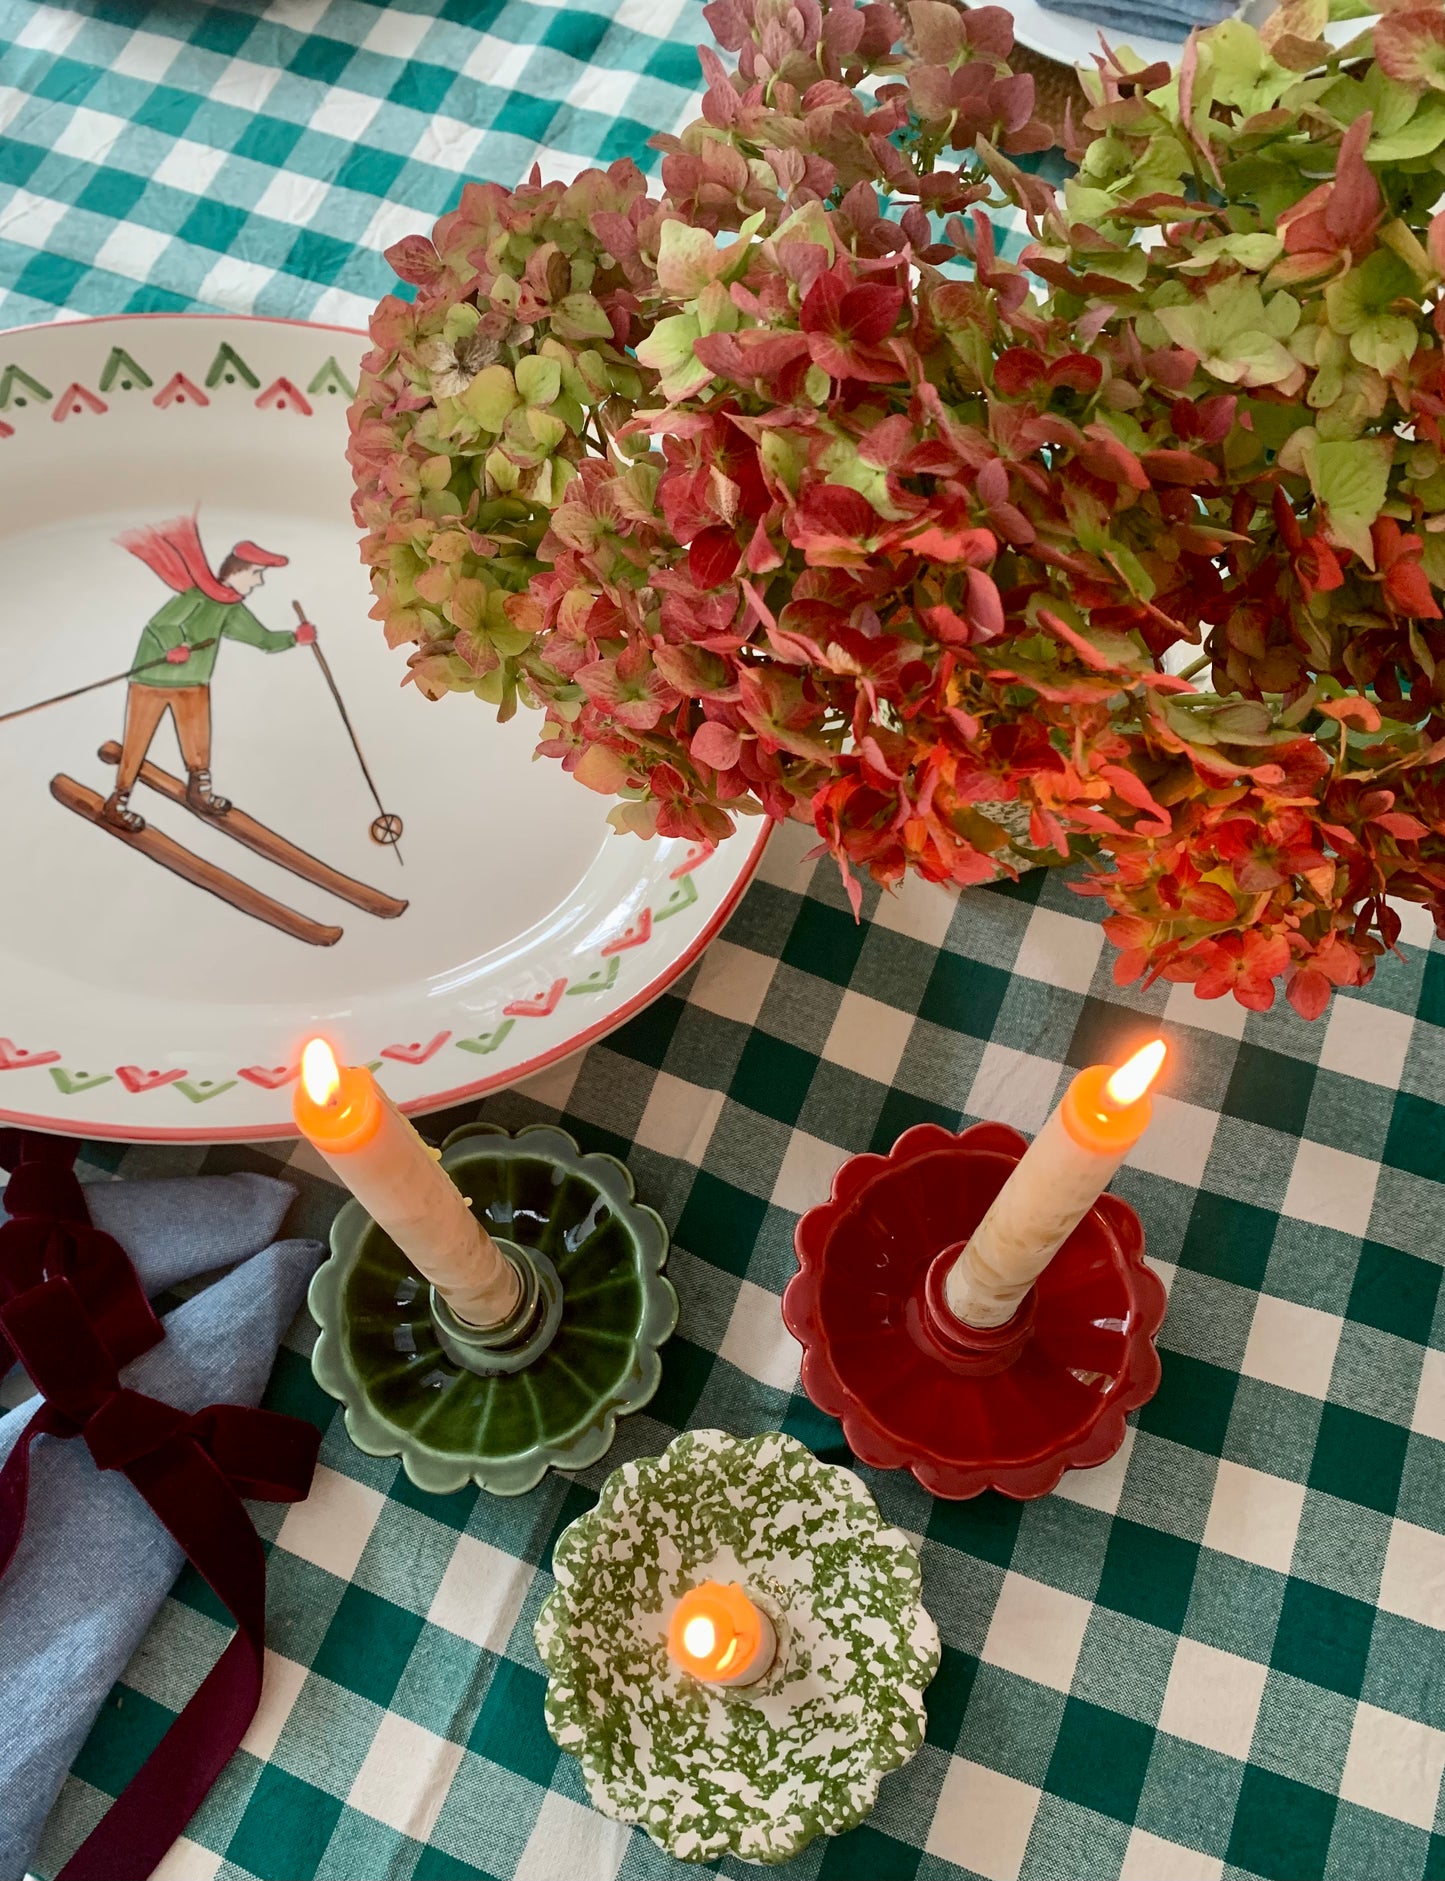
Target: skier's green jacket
[{"x": 186, "y": 620}]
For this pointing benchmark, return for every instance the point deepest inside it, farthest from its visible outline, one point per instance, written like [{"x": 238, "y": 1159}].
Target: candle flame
[
  {"x": 319, "y": 1073},
  {"x": 1135, "y": 1075},
  {"x": 699, "y": 1636}
]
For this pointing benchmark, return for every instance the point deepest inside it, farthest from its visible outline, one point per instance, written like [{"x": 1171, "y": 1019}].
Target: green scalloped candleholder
[{"x": 457, "y": 1406}]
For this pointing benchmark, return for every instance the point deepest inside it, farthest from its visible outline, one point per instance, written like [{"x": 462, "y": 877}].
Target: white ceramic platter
[
  {"x": 137, "y": 1004},
  {"x": 1074, "y": 41}
]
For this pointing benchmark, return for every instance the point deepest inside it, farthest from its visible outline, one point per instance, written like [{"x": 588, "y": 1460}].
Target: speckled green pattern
[
  {"x": 379, "y": 1352},
  {"x": 756, "y": 1772}
]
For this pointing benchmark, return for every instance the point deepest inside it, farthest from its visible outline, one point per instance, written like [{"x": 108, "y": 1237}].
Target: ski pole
[
  {"x": 60, "y": 698},
  {"x": 386, "y": 829}
]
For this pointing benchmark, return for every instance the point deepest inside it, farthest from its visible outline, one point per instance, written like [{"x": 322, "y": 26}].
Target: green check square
[
  {"x": 1148, "y": 1574},
  {"x": 826, "y": 942},
  {"x": 647, "y": 1036},
  {"x": 269, "y": 141},
  {"x": 213, "y": 224},
  {"x": 1416, "y": 1139},
  {"x": 367, "y": 1645},
  {"x": 286, "y": 1828},
  {"x": 1359, "y": 1458},
  {"x": 773, "y": 1077},
  {"x": 576, "y": 1501},
  {"x": 112, "y": 193},
  {"x": 576, "y": 32},
  {"x": 1103, "y": 1033},
  {"x": 1193, "y": 1403},
  {"x": 720, "y": 1223},
  {"x": 1270, "y": 1088},
  {"x": 1281, "y": 1828},
  {"x": 454, "y": 1509},
  {"x": 1100, "y": 1759},
  {"x": 867, "y": 1854},
  {"x": 900, "y": 1111},
  {"x": 1323, "y": 1637},
  {"x": 1228, "y": 1239},
  {"x": 511, "y": 1729},
  {"x": 1432, "y": 989},
  {"x": 986, "y": 1526},
  {"x": 435, "y": 1864},
  {"x": 220, "y": 30},
  {"x": 964, "y": 995},
  {"x": 946, "y": 1699},
  {"x": 127, "y": 1729},
  {"x": 686, "y": 1369},
  {"x": 1395, "y": 1292},
  {"x": 528, "y": 118},
  {"x": 627, "y": 138},
  {"x": 322, "y": 59},
  {"x": 371, "y": 171}
]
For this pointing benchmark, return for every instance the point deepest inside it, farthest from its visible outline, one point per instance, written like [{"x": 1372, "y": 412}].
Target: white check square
[
  {"x": 1394, "y": 1765},
  {"x": 186, "y": 1860},
  {"x": 570, "y": 1839},
  {"x": 1060, "y": 950},
  {"x": 1037, "y": 1631},
  {"x": 88, "y": 135},
  {"x": 405, "y": 1775},
  {"x": 868, "y": 1037},
  {"x": 733, "y": 981},
  {"x": 189, "y": 166},
  {"x": 806, "y": 1176},
  {"x": 1365, "y": 1041},
  {"x": 1178, "y": 1141},
  {"x": 758, "y": 1342},
  {"x": 1331, "y": 1188},
  {"x": 1254, "y": 1517},
  {"x": 1292, "y": 1346},
  {"x": 679, "y": 1119},
  {"x": 1013, "y": 1087},
  {"x": 1151, "y": 1858},
  {"x": 1213, "y": 1698},
  {"x": 922, "y": 910},
  {"x": 281, "y": 1683},
  {"x": 1413, "y": 1581},
  {"x": 983, "y": 1820},
  {"x": 1429, "y": 1413},
  {"x": 333, "y": 1525},
  {"x": 1224, "y": 1016},
  {"x": 481, "y": 1594}
]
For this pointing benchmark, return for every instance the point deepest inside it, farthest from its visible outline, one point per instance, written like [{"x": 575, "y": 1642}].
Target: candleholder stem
[{"x": 526, "y": 1332}]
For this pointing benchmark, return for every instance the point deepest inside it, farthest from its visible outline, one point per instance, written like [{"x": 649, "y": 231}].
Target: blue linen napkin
[
  {"x": 1157, "y": 19},
  {"x": 94, "y": 1563}
]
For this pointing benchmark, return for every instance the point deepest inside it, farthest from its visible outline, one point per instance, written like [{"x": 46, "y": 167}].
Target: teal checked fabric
[{"x": 1220, "y": 1655}]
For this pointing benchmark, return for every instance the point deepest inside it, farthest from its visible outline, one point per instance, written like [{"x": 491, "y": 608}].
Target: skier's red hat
[{"x": 258, "y": 557}]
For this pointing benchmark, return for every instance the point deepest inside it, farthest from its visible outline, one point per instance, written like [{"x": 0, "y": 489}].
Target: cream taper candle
[
  {"x": 1065, "y": 1169},
  {"x": 361, "y": 1135}
]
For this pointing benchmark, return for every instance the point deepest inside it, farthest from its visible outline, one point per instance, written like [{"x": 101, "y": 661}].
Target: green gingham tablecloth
[{"x": 1219, "y": 1654}]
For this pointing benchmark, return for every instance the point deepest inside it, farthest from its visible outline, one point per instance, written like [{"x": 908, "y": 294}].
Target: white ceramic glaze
[{"x": 134, "y": 1004}]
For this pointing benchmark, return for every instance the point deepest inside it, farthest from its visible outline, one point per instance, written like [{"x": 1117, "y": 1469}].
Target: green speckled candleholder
[{"x": 500, "y": 1408}]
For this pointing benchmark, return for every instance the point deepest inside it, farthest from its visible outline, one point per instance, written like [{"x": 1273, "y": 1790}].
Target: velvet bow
[{"x": 73, "y": 1312}]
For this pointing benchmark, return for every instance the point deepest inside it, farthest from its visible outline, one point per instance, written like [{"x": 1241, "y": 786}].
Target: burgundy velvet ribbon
[{"x": 73, "y": 1312}]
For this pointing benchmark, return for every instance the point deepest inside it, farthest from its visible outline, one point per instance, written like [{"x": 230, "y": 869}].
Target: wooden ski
[
  {"x": 195, "y": 869},
  {"x": 265, "y": 842}
]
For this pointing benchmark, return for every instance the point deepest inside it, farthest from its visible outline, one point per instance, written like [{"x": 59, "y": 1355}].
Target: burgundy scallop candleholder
[{"x": 1007, "y": 1408}]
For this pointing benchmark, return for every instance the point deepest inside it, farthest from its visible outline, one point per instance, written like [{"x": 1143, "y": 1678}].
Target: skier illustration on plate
[
  {"x": 177, "y": 655},
  {"x": 172, "y": 672}
]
